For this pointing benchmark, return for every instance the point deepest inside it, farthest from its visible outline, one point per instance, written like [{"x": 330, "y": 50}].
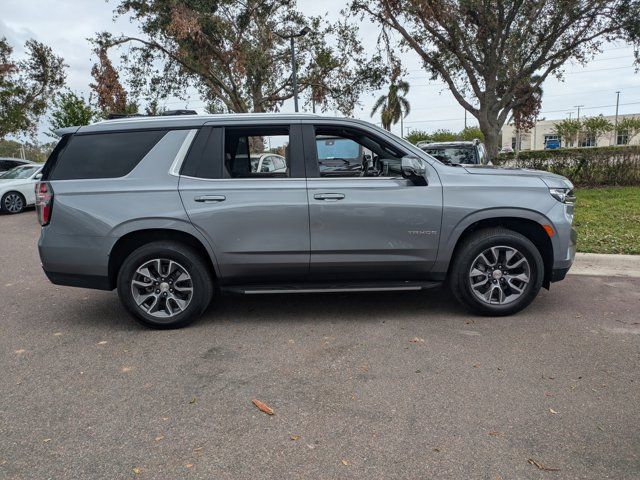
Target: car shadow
[
  {"x": 296, "y": 309},
  {"x": 333, "y": 307}
]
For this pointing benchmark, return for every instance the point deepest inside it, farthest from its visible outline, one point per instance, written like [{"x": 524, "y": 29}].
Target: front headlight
[{"x": 563, "y": 195}]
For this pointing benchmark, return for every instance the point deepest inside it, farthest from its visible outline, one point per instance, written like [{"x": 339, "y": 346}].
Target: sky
[{"x": 66, "y": 24}]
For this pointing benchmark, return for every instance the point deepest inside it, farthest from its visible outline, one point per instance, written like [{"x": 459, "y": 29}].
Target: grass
[{"x": 608, "y": 220}]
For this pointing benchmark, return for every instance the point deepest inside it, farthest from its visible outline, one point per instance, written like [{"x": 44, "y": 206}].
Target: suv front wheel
[
  {"x": 496, "y": 272},
  {"x": 165, "y": 284}
]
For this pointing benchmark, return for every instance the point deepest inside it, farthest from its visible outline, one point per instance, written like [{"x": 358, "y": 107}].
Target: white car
[
  {"x": 269, "y": 163},
  {"x": 17, "y": 188}
]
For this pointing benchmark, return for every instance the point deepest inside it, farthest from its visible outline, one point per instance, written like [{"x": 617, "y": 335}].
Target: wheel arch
[
  {"x": 134, "y": 239},
  {"x": 530, "y": 226}
]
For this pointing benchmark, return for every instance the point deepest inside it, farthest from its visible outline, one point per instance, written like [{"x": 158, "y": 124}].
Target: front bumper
[{"x": 562, "y": 266}]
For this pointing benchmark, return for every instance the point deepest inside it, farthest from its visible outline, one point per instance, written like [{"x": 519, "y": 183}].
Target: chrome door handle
[
  {"x": 329, "y": 196},
  {"x": 210, "y": 198}
]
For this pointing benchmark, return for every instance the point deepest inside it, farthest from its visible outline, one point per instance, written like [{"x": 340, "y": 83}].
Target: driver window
[{"x": 344, "y": 152}]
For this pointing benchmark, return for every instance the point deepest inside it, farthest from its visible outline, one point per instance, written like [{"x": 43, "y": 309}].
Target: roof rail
[{"x": 167, "y": 113}]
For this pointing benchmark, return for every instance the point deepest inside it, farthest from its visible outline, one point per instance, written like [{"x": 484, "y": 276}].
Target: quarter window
[{"x": 104, "y": 155}]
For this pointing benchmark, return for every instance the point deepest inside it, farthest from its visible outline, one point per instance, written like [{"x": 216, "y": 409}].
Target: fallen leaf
[
  {"x": 311, "y": 446},
  {"x": 418, "y": 371},
  {"x": 263, "y": 407},
  {"x": 539, "y": 466},
  {"x": 159, "y": 437},
  {"x": 436, "y": 450},
  {"x": 57, "y": 334},
  {"x": 126, "y": 369},
  {"x": 22, "y": 350},
  {"x": 295, "y": 437},
  {"x": 344, "y": 462},
  {"x": 165, "y": 418},
  {"x": 46, "y": 440},
  {"x": 103, "y": 342},
  {"x": 476, "y": 365},
  {"x": 199, "y": 449},
  {"x": 494, "y": 434},
  {"x": 416, "y": 340},
  {"x": 552, "y": 411},
  {"x": 137, "y": 470},
  {"x": 193, "y": 400},
  {"x": 189, "y": 465},
  {"x": 548, "y": 394}
]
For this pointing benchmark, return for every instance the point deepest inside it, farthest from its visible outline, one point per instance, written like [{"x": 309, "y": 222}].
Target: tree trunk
[{"x": 491, "y": 132}]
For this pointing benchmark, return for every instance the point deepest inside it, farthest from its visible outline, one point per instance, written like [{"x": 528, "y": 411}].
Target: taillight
[{"x": 44, "y": 202}]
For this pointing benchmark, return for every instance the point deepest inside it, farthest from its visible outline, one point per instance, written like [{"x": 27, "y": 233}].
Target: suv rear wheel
[
  {"x": 496, "y": 272},
  {"x": 165, "y": 284}
]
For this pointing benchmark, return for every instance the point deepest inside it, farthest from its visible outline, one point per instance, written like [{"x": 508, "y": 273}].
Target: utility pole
[
  {"x": 294, "y": 75},
  {"x": 578, "y": 107},
  {"x": 615, "y": 125},
  {"x": 465, "y": 118}
]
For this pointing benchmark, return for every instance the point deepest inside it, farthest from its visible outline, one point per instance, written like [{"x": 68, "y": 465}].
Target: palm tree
[{"x": 393, "y": 106}]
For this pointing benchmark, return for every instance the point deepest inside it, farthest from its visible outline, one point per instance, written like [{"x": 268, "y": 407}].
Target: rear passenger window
[
  {"x": 104, "y": 155},
  {"x": 256, "y": 152}
]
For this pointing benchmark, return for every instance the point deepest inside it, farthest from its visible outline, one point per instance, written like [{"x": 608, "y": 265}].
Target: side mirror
[
  {"x": 414, "y": 169},
  {"x": 38, "y": 176}
]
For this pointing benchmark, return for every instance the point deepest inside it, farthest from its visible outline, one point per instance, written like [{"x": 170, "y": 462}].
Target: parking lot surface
[{"x": 372, "y": 386}]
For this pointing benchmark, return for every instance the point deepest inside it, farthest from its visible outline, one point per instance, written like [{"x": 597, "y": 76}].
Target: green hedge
[{"x": 591, "y": 167}]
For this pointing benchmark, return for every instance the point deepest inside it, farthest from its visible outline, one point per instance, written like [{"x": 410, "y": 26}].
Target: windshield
[
  {"x": 18, "y": 172},
  {"x": 452, "y": 154},
  {"x": 329, "y": 148}
]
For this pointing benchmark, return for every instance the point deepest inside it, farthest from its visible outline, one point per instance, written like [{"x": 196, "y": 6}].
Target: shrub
[{"x": 589, "y": 167}]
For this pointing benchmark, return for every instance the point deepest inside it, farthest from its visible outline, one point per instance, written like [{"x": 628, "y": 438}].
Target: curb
[{"x": 606, "y": 265}]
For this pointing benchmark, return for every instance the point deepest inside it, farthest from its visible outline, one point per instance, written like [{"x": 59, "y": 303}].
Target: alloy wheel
[
  {"x": 499, "y": 275},
  {"x": 13, "y": 203},
  {"x": 162, "y": 288}
]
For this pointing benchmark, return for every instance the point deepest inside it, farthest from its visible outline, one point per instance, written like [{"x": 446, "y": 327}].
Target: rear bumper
[{"x": 96, "y": 282}]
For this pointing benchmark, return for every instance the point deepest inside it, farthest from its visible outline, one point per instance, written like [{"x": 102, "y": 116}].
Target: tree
[
  {"x": 526, "y": 113},
  {"x": 489, "y": 51},
  {"x": 443, "y": 135},
  {"x": 69, "y": 110},
  {"x": 394, "y": 105},
  {"x": 415, "y": 136},
  {"x": 27, "y": 85},
  {"x": 111, "y": 97},
  {"x": 471, "y": 133},
  {"x": 595, "y": 127},
  {"x": 629, "y": 127},
  {"x": 233, "y": 53},
  {"x": 567, "y": 131}
]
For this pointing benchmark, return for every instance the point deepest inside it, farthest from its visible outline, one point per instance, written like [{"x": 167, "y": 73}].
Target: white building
[{"x": 543, "y": 131}]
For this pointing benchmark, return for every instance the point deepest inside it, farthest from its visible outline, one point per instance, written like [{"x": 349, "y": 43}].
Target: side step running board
[{"x": 329, "y": 288}]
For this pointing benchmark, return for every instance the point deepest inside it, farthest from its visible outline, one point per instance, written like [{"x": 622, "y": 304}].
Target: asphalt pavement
[{"x": 370, "y": 386}]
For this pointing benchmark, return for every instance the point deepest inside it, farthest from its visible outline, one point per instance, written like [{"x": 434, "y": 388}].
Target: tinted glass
[
  {"x": 452, "y": 154},
  {"x": 247, "y": 149},
  {"x": 104, "y": 155}
]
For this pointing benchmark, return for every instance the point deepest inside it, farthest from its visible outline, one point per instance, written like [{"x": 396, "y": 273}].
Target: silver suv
[{"x": 170, "y": 209}]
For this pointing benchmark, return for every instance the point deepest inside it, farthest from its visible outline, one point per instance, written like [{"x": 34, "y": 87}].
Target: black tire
[
  {"x": 190, "y": 260},
  {"x": 6, "y": 200},
  {"x": 477, "y": 243}
]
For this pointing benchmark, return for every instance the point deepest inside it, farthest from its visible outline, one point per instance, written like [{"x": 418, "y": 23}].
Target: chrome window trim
[
  {"x": 308, "y": 179},
  {"x": 182, "y": 153}
]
